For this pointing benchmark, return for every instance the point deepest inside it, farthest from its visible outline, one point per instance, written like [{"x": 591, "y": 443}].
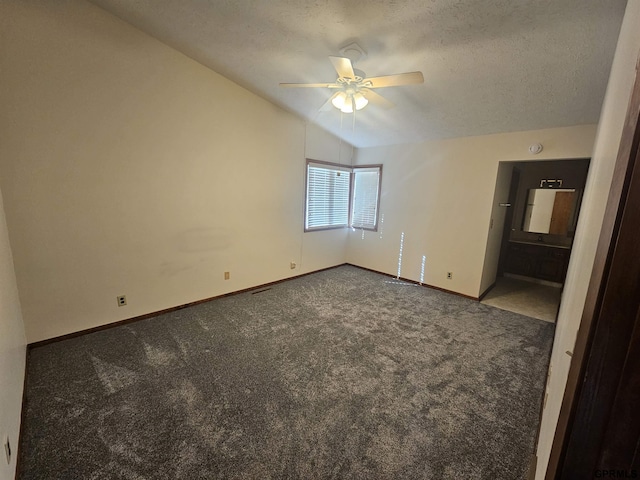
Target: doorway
[{"x": 534, "y": 216}]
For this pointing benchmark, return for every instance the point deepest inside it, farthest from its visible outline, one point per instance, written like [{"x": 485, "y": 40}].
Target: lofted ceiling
[{"x": 490, "y": 66}]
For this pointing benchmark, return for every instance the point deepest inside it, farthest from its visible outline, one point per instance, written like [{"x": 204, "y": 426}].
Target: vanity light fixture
[{"x": 551, "y": 183}]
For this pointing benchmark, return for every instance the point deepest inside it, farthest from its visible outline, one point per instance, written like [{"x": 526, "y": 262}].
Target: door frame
[{"x": 608, "y": 330}]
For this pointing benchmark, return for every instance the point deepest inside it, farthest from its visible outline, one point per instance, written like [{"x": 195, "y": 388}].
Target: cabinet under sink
[{"x": 545, "y": 262}]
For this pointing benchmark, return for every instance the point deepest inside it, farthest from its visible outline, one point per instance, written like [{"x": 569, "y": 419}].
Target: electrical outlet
[
  {"x": 293, "y": 265},
  {"x": 449, "y": 275},
  {"x": 226, "y": 275},
  {"x": 7, "y": 449},
  {"x": 122, "y": 300}
]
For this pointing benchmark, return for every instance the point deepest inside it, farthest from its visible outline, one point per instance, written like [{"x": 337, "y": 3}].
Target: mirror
[{"x": 549, "y": 210}]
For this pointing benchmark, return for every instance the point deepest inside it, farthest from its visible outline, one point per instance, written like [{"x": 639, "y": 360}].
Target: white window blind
[
  {"x": 327, "y": 196},
  {"x": 366, "y": 183}
]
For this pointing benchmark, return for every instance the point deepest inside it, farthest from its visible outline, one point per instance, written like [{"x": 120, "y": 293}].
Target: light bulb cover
[
  {"x": 349, "y": 100},
  {"x": 339, "y": 100},
  {"x": 348, "y": 106},
  {"x": 360, "y": 101}
]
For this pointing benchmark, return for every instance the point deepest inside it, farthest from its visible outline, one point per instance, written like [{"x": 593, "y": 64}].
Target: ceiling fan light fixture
[
  {"x": 339, "y": 100},
  {"x": 360, "y": 101},
  {"x": 349, "y": 101},
  {"x": 348, "y": 106},
  {"x": 354, "y": 88}
]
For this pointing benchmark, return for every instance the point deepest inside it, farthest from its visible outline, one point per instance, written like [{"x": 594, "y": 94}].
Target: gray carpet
[{"x": 339, "y": 374}]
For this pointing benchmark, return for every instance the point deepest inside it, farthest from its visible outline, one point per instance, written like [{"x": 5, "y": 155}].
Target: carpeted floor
[{"x": 339, "y": 374}]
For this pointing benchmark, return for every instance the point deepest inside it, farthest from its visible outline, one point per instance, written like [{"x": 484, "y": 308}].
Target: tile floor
[{"x": 526, "y": 298}]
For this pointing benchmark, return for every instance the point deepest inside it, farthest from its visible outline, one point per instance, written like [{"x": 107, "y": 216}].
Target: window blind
[
  {"x": 327, "y": 197},
  {"x": 364, "y": 212}
]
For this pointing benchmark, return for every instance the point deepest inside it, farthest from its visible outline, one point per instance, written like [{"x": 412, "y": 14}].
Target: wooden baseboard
[
  {"x": 166, "y": 310},
  {"x": 477, "y": 299},
  {"x": 237, "y": 292}
]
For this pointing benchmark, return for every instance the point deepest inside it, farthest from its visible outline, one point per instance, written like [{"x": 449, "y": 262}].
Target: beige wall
[
  {"x": 12, "y": 353},
  {"x": 328, "y": 247},
  {"x": 605, "y": 150},
  {"x": 129, "y": 168},
  {"x": 440, "y": 193}
]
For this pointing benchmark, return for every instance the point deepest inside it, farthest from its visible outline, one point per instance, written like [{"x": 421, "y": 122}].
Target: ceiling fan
[{"x": 354, "y": 91}]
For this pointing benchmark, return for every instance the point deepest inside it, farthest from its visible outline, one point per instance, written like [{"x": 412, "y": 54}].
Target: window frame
[
  {"x": 336, "y": 166},
  {"x": 350, "y": 169},
  {"x": 378, "y": 194}
]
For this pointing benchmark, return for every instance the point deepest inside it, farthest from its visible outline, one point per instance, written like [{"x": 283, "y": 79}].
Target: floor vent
[{"x": 260, "y": 291}]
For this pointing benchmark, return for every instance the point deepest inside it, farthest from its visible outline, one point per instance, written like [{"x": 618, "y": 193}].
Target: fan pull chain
[{"x": 353, "y": 125}]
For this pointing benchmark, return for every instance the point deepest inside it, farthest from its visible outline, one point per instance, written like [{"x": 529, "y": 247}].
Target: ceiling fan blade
[
  {"x": 310, "y": 85},
  {"x": 410, "y": 78},
  {"x": 327, "y": 106},
  {"x": 343, "y": 67},
  {"x": 377, "y": 99}
]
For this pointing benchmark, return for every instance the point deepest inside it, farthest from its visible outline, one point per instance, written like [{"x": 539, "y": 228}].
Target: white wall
[
  {"x": 605, "y": 151},
  {"x": 128, "y": 168},
  {"x": 439, "y": 193},
  {"x": 12, "y": 353}
]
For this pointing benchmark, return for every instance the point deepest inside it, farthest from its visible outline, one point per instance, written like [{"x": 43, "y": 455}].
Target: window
[
  {"x": 327, "y": 204},
  {"x": 339, "y": 196},
  {"x": 365, "y": 197}
]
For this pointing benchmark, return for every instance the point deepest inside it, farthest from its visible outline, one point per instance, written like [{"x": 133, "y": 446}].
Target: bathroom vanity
[{"x": 537, "y": 260}]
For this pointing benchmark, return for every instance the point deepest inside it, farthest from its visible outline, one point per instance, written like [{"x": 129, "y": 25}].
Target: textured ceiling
[{"x": 489, "y": 66}]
